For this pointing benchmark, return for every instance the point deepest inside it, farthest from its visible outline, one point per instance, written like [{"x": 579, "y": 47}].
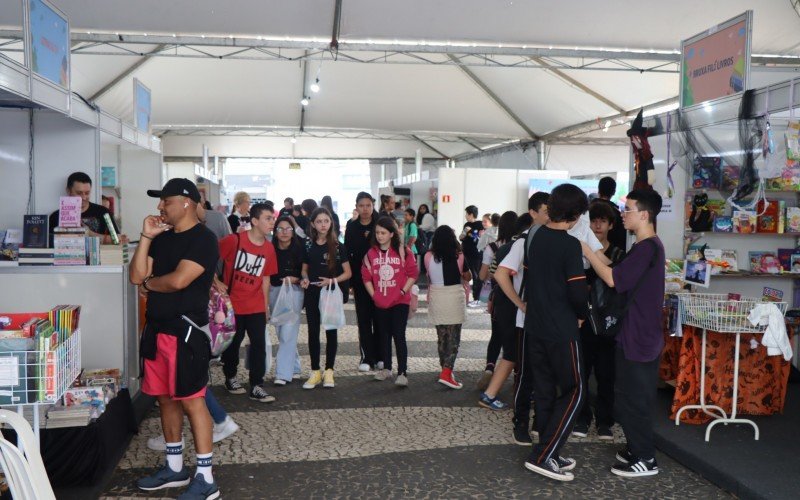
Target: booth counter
[{"x": 109, "y": 309}]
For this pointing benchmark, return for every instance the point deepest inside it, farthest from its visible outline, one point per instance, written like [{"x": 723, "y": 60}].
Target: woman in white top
[{"x": 447, "y": 273}]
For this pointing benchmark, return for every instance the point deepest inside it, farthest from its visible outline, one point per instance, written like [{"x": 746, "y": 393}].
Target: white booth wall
[
  {"x": 14, "y": 153},
  {"x": 587, "y": 159},
  {"x": 139, "y": 171},
  {"x": 491, "y": 190}
]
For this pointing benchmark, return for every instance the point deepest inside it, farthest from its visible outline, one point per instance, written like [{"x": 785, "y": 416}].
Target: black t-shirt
[
  {"x": 316, "y": 256},
  {"x": 290, "y": 262},
  {"x": 197, "y": 244},
  {"x": 302, "y": 222},
  {"x": 470, "y": 242},
  {"x": 554, "y": 262},
  {"x": 92, "y": 218},
  {"x": 358, "y": 239},
  {"x": 236, "y": 220}
]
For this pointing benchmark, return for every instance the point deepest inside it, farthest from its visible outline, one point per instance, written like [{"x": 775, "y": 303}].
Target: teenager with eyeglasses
[{"x": 289, "y": 253}]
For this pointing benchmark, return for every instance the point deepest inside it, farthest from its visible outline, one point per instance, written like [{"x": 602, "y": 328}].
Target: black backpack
[{"x": 607, "y": 307}]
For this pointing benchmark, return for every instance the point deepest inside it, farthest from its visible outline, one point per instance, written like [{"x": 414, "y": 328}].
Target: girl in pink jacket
[{"x": 389, "y": 271}]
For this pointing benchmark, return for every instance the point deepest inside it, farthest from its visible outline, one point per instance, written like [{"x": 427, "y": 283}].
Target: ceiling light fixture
[
  {"x": 315, "y": 86},
  {"x": 304, "y": 101},
  {"x": 294, "y": 140}
]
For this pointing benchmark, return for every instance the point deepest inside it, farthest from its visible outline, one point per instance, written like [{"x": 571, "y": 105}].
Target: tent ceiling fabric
[{"x": 419, "y": 95}]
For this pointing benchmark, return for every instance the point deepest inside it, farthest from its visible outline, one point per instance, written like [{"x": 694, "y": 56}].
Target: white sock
[
  {"x": 204, "y": 467},
  {"x": 175, "y": 456}
]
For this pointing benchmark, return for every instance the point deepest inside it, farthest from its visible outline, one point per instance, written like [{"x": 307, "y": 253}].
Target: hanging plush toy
[
  {"x": 700, "y": 219},
  {"x": 642, "y": 156}
]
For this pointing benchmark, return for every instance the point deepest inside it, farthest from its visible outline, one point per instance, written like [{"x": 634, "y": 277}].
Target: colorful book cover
[
  {"x": 714, "y": 259},
  {"x": 768, "y": 216},
  {"x": 69, "y": 211},
  {"x": 760, "y": 261},
  {"x": 790, "y": 178},
  {"x": 34, "y": 231},
  {"x": 793, "y": 219},
  {"x": 795, "y": 263},
  {"x": 744, "y": 221},
  {"x": 730, "y": 177},
  {"x": 792, "y": 136},
  {"x": 723, "y": 224},
  {"x": 706, "y": 171},
  {"x": 772, "y": 294},
  {"x": 108, "y": 176},
  {"x": 785, "y": 258},
  {"x": 781, "y": 216},
  {"x": 731, "y": 259}
]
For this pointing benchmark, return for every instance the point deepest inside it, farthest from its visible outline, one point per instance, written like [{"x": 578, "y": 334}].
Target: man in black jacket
[
  {"x": 357, "y": 237},
  {"x": 606, "y": 188}
]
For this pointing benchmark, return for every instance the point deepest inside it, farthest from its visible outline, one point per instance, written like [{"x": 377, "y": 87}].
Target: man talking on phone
[{"x": 174, "y": 264}]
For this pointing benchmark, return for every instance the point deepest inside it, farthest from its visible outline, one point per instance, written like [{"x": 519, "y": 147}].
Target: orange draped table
[{"x": 762, "y": 378}]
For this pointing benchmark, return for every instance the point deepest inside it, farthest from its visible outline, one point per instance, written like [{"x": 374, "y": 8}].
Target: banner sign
[
  {"x": 716, "y": 63},
  {"x": 141, "y": 106},
  {"x": 50, "y": 43}
]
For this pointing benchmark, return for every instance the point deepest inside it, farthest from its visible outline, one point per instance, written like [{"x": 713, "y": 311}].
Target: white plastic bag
[
  {"x": 268, "y": 341},
  {"x": 331, "y": 307},
  {"x": 283, "y": 311}
]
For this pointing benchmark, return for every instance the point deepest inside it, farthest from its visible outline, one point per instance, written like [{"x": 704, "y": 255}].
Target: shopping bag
[
  {"x": 283, "y": 311},
  {"x": 486, "y": 291},
  {"x": 414, "y": 304},
  {"x": 331, "y": 307},
  {"x": 268, "y": 343},
  {"x": 221, "y": 321}
]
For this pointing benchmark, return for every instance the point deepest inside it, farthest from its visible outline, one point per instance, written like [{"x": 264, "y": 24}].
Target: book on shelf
[
  {"x": 10, "y": 240},
  {"x": 723, "y": 224},
  {"x": 714, "y": 258},
  {"x": 789, "y": 179},
  {"x": 34, "y": 231},
  {"x": 35, "y": 256},
  {"x": 730, "y": 177},
  {"x": 69, "y": 249},
  {"x": 764, "y": 262},
  {"x": 93, "y": 398},
  {"x": 767, "y": 216},
  {"x": 729, "y": 256},
  {"x": 772, "y": 294},
  {"x": 706, "y": 171},
  {"x": 69, "y": 211},
  {"x": 793, "y": 219},
  {"x": 111, "y": 255},
  {"x": 785, "y": 258},
  {"x": 744, "y": 221}
]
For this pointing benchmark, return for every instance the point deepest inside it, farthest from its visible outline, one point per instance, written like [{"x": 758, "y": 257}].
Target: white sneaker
[
  {"x": 475, "y": 304},
  {"x": 379, "y": 365},
  {"x": 279, "y": 382},
  {"x": 157, "y": 443},
  {"x": 224, "y": 430},
  {"x": 364, "y": 368}
]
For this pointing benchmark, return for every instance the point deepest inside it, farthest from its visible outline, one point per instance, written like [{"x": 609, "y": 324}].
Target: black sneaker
[
  {"x": 604, "y": 433},
  {"x": 257, "y": 393},
  {"x": 566, "y": 464},
  {"x": 639, "y": 468},
  {"x": 233, "y": 386},
  {"x": 580, "y": 430},
  {"x": 625, "y": 456},
  {"x": 549, "y": 468},
  {"x": 521, "y": 436}
]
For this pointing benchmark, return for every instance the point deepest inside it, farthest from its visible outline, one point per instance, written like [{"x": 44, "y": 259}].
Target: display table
[{"x": 762, "y": 378}]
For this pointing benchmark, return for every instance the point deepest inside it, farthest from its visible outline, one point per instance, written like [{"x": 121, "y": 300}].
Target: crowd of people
[{"x": 533, "y": 270}]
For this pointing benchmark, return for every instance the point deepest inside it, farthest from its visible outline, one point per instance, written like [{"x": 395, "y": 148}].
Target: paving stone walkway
[{"x": 368, "y": 439}]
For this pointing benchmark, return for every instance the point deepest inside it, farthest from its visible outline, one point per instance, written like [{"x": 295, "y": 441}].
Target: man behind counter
[{"x": 80, "y": 184}]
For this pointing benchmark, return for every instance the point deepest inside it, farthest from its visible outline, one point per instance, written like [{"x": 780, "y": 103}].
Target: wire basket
[
  {"x": 716, "y": 312},
  {"x": 39, "y": 377}
]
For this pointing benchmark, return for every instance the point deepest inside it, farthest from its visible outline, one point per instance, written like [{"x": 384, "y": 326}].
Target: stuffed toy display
[
  {"x": 643, "y": 158},
  {"x": 700, "y": 219}
]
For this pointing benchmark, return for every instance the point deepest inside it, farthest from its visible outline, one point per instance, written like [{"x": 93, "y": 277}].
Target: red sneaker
[{"x": 446, "y": 378}]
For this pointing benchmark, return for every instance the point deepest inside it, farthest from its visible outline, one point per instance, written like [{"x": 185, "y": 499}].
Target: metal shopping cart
[{"x": 716, "y": 312}]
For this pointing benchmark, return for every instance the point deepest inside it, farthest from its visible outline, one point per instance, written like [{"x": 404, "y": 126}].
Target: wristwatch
[{"x": 144, "y": 283}]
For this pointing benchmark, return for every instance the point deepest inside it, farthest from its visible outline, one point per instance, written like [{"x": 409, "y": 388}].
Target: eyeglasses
[
  {"x": 284, "y": 229},
  {"x": 629, "y": 210}
]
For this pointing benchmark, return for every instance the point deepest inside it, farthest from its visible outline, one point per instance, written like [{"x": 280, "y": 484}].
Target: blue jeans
[
  {"x": 287, "y": 361},
  {"x": 214, "y": 408}
]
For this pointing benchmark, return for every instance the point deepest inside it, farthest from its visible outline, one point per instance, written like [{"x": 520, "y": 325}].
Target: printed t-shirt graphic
[{"x": 250, "y": 265}]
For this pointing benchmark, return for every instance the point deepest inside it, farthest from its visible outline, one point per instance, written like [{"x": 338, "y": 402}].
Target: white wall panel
[
  {"x": 14, "y": 146},
  {"x": 139, "y": 171}
]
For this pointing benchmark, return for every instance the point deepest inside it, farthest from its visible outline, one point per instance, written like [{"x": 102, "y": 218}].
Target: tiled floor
[{"x": 368, "y": 439}]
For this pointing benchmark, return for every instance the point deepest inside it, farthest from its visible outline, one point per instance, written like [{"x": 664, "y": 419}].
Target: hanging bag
[
  {"x": 221, "y": 321},
  {"x": 331, "y": 307},
  {"x": 283, "y": 311},
  {"x": 607, "y": 307}
]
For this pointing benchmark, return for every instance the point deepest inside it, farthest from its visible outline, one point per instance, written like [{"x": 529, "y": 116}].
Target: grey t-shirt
[{"x": 218, "y": 224}]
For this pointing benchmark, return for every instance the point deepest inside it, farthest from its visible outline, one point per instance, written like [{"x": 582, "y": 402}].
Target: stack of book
[
  {"x": 93, "y": 250},
  {"x": 69, "y": 246},
  {"x": 114, "y": 255},
  {"x": 68, "y": 416},
  {"x": 36, "y": 256}
]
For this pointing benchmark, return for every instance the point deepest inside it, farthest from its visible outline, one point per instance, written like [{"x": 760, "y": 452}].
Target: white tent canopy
[{"x": 450, "y": 77}]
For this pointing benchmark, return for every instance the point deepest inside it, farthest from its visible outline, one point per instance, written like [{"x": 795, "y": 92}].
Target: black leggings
[
  {"x": 313, "y": 318},
  {"x": 392, "y": 323}
]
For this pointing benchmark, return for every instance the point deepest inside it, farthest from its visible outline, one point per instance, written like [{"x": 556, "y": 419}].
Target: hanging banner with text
[
  {"x": 716, "y": 63},
  {"x": 50, "y": 42}
]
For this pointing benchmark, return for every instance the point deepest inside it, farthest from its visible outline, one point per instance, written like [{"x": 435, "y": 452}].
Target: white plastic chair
[{"x": 25, "y": 472}]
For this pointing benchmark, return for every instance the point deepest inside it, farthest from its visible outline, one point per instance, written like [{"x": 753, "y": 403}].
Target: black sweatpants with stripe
[{"x": 558, "y": 392}]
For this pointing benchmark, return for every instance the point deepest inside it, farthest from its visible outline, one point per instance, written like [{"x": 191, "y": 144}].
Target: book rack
[{"x": 33, "y": 378}]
